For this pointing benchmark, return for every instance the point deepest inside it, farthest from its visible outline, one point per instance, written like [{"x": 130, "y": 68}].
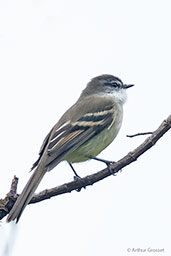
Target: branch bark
[{"x": 7, "y": 203}]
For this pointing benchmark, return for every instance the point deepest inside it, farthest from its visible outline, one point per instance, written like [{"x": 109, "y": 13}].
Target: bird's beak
[{"x": 126, "y": 86}]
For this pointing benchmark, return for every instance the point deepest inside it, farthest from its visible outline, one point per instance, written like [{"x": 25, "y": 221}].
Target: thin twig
[{"x": 138, "y": 134}]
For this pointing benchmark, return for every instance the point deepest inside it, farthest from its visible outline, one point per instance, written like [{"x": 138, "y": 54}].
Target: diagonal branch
[{"x": 7, "y": 203}]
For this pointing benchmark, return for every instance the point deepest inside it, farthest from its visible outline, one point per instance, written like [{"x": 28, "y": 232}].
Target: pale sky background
[{"x": 49, "y": 50}]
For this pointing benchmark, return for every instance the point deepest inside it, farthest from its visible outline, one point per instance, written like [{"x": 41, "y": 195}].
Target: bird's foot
[{"x": 107, "y": 162}]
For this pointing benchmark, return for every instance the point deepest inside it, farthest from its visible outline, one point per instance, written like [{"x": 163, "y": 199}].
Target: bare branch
[
  {"x": 138, "y": 134},
  {"x": 13, "y": 190},
  {"x": 91, "y": 179},
  {"x": 7, "y": 203}
]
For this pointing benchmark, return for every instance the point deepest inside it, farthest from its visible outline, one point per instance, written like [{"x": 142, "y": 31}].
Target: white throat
[{"x": 118, "y": 95}]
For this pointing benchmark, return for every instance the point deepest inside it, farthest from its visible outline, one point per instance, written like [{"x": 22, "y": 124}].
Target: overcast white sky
[{"x": 49, "y": 50}]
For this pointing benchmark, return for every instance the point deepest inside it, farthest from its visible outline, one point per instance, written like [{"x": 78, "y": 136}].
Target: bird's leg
[
  {"x": 76, "y": 177},
  {"x": 108, "y": 163}
]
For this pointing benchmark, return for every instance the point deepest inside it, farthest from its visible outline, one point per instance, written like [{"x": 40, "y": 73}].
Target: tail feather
[{"x": 26, "y": 195}]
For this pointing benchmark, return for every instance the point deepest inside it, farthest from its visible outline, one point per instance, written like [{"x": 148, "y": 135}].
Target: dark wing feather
[{"x": 45, "y": 142}]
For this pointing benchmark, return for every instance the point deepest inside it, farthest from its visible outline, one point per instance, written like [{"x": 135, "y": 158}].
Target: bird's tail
[{"x": 26, "y": 195}]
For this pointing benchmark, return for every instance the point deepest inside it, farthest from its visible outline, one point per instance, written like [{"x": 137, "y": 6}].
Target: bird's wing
[
  {"x": 71, "y": 135},
  {"x": 67, "y": 136}
]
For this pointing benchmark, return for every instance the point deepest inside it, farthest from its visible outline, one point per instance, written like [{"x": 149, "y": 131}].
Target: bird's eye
[
  {"x": 113, "y": 84},
  {"x": 116, "y": 85}
]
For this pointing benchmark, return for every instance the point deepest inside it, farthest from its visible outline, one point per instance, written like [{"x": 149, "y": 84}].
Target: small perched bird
[{"x": 84, "y": 130}]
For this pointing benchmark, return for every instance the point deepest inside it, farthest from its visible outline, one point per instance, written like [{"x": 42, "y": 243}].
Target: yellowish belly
[{"x": 95, "y": 145}]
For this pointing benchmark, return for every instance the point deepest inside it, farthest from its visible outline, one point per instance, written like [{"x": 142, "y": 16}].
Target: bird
[{"x": 82, "y": 132}]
